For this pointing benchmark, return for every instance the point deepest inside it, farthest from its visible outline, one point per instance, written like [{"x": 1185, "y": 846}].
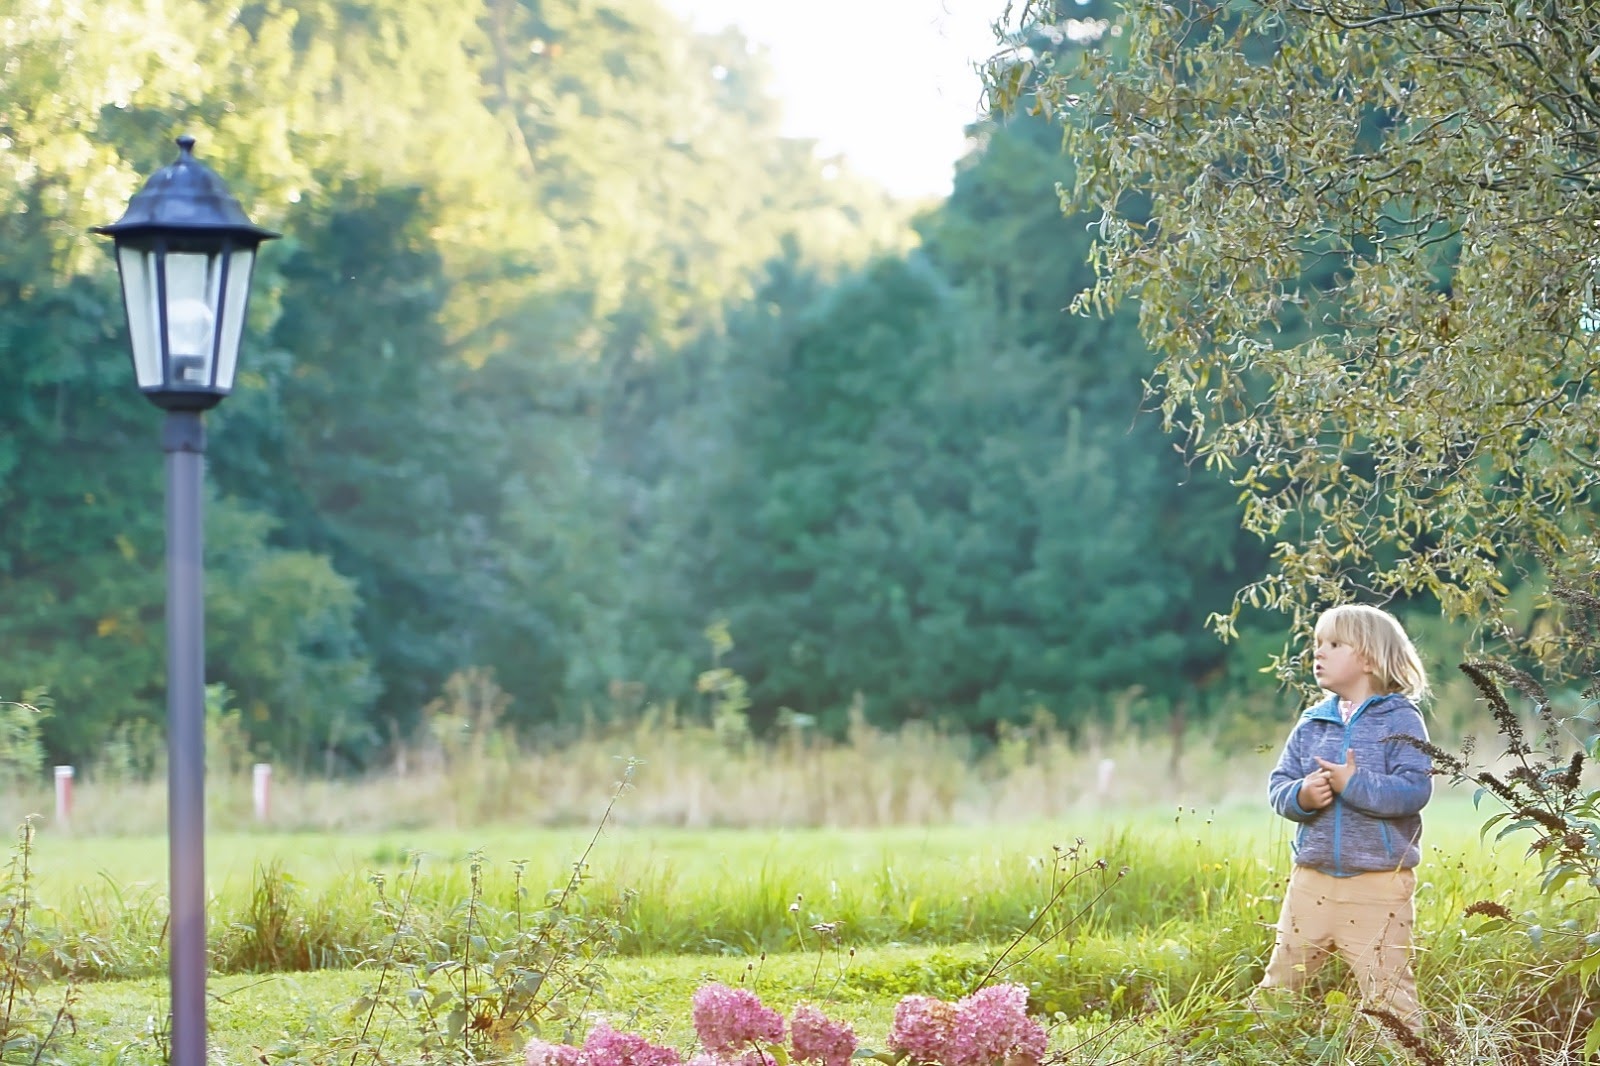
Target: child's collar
[{"x": 1328, "y": 709}]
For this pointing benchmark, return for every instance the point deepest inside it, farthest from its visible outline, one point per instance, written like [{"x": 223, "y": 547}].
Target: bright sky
[{"x": 888, "y": 83}]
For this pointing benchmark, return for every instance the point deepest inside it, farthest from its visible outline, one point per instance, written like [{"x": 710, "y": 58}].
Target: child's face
[{"x": 1339, "y": 667}]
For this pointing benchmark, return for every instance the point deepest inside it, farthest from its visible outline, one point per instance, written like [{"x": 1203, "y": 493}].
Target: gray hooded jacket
[{"x": 1376, "y": 823}]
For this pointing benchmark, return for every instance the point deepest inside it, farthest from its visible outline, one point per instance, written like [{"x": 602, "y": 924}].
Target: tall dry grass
[
  {"x": 686, "y": 776},
  {"x": 694, "y": 774}
]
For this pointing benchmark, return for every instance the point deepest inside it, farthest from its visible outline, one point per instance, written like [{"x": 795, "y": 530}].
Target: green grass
[
  {"x": 936, "y": 862},
  {"x": 282, "y": 1015},
  {"x": 725, "y": 892},
  {"x": 1144, "y": 996},
  {"x": 1157, "y": 957},
  {"x": 689, "y": 858}
]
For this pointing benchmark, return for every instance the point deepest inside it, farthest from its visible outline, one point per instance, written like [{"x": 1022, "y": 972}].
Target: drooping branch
[{"x": 1357, "y": 233}]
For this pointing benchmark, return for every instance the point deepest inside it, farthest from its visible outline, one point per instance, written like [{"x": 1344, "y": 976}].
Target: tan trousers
[{"x": 1367, "y": 919}]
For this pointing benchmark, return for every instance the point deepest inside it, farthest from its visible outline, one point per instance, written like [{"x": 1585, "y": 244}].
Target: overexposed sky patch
[{"x": 889, "y": 84}]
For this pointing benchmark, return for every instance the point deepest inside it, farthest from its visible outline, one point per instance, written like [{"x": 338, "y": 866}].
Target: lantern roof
[{"x": 186, "y": 195}]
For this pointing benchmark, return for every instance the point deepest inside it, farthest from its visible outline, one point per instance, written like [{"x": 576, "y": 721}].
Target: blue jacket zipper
[{"x": 1338, "y": 801}]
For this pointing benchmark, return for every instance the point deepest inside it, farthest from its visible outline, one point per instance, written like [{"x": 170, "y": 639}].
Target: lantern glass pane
[
  {"x": 141, "y": 299},
  {"x": 234, "y": 302},
  {"x": 191, "y": 298}
]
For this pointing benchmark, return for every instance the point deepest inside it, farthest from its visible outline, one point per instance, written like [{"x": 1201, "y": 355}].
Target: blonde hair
[{"x": 1378, "y": 637}]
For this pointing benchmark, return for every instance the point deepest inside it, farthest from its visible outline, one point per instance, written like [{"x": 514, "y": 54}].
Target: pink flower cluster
[
  {"x": 923, "y": 1028},
  {"x": 819, "y": 1039},
  {"x": 991, "y": 1027},
  {"x": 733, "y": 1019},
  {"x": 734, "y": 1027},
  {"x": 605, "y": 1047}
]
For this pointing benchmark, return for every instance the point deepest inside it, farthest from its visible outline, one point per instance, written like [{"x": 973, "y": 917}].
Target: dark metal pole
[{"x": 183, "y": 438}]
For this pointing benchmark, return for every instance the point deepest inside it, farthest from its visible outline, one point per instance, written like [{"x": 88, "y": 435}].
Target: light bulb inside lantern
[{"x": 189, "y": 333}]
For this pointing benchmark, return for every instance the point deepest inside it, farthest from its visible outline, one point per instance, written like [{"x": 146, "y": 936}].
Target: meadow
[{"x": 1137, "y": 909}]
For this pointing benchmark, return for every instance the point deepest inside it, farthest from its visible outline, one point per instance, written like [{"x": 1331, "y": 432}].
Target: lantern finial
[{"x": 186, "y": 195}]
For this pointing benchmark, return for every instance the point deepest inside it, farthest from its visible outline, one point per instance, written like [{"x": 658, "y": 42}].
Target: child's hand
[
  {"x": 1339, "y": 773},
  {"x": 1315, "y": 791}
]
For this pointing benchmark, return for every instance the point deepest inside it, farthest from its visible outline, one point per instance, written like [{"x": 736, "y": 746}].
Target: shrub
[{"x": 1543, "y": 794}]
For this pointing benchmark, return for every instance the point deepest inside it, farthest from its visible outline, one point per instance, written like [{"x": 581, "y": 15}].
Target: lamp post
[{"x": 185, "y": 251}]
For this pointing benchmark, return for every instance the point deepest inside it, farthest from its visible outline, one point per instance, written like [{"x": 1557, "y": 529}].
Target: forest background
[{"x": 574, "y": 384}]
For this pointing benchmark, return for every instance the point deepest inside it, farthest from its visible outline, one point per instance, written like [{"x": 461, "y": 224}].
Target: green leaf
[
  {"x": 1483, "y": 831},
  {"x": 885, "y": 1057}
]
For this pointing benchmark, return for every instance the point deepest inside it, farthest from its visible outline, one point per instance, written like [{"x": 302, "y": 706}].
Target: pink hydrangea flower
[
  {"x": 992, "y": 1028},
  {"x": 607, "y": 1047},
  {"x": 816, "y": 1038},
  {"x": 922, "y": 1028},
  {"x": 543, "y": 1053},
  {"x": 733, "y": 1019}
]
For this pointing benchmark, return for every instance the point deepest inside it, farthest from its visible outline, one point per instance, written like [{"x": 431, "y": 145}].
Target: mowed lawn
[{"x": 818, "y": 862}]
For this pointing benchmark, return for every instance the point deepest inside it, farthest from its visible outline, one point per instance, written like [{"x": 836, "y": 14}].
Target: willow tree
[{"x": 1361, "y": 235}]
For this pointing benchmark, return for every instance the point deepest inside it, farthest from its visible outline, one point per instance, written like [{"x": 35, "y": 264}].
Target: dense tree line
[{"x": 566, "y": 355}]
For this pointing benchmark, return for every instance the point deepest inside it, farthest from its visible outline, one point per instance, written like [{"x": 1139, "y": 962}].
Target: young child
[{"x": 1357, "y": 792}]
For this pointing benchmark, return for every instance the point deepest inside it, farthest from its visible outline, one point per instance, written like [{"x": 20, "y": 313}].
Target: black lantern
[{"x": 185, "y": 250}]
